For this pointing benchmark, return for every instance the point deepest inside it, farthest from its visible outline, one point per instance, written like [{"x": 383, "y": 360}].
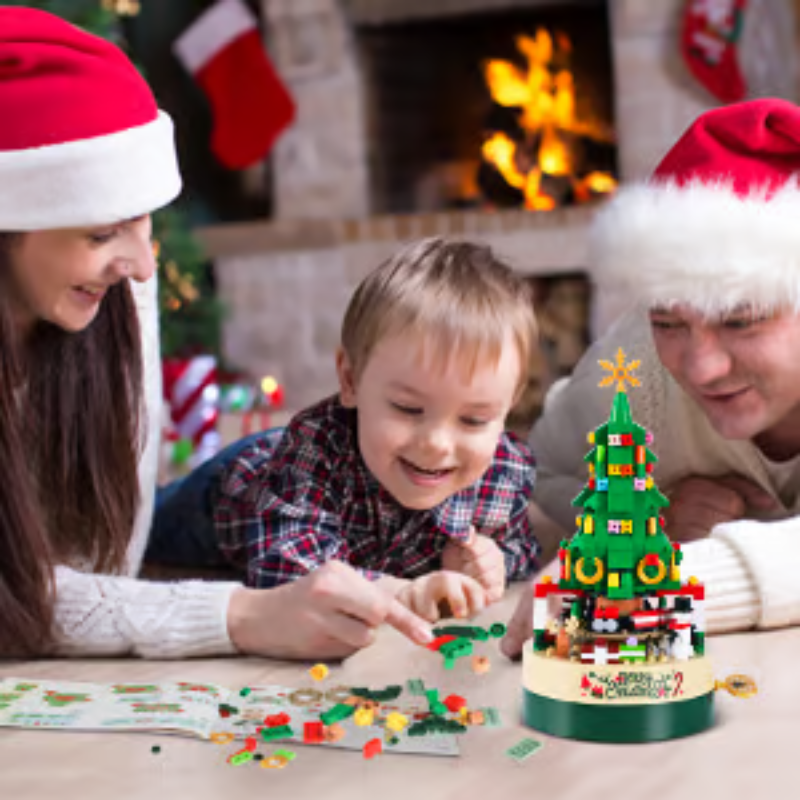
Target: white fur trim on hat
[
  {"x": 90, "y": 182},
  {"x": 699, "y": 244}
]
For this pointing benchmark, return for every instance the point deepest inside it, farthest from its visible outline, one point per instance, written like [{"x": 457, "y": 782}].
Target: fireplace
[
  {"x": 499, "y": 109},
  {"x": 369, "y": 164}
]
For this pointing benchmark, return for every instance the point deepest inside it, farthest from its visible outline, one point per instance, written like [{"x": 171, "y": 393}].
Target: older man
[{"x": 709, "y": 250}]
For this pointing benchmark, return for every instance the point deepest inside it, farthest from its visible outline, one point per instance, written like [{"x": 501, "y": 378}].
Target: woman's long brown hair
[{"x": 70, "y": 407}]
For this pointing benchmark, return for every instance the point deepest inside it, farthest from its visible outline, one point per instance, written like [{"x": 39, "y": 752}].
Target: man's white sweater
[
  {"x": 751, "y": 567},
  {"x": 104, "y": 615}
]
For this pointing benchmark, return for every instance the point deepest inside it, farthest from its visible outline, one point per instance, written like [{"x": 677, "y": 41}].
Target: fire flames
[{"x": 550, "y": 126}]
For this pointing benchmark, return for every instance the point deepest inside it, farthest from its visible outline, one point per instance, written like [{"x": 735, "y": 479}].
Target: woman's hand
[
  {"x": 481, "y": 559},
  {"x": 330, "y": 613},
  {"x": 428, "y": 595}
]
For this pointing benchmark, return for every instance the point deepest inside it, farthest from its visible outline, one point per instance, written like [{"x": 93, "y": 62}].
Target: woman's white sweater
[
  {"x": 751, "y": 567},
  {"x": 105, "y": 615}
]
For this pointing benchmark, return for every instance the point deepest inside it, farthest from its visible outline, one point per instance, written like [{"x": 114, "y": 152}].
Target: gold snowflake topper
[{"x": 620, "y": 372}]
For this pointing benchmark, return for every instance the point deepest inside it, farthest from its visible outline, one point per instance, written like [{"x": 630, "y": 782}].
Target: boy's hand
[
  {"x": 424, "y": 595},
  {"x": 479, "y": 558}
]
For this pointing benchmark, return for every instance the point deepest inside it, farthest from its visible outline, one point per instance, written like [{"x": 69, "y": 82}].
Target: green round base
[{"x": 651, "y": 722}]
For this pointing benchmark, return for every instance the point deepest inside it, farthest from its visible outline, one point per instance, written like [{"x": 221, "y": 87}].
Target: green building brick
[{"x": 337, "y": 713}]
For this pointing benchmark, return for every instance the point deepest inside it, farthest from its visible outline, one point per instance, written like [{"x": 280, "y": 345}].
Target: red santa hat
[
  {"x": 718, "y": 223},
  {"x": 82, "y": 141}
]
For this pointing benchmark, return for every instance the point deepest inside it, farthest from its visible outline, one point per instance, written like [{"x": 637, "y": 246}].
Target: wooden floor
[{"x": 749, "y": 754}]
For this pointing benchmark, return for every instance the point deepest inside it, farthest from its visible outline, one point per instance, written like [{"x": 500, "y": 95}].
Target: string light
[
  {"x": 183, "y": 285},
  {"x": 123, "y": 8},
  {"x": 269, "y": 385}
]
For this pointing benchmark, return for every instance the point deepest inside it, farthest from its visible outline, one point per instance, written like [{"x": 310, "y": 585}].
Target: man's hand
[
  {"x": 330, "y": 613},
  {"x": 697, "y": 504},
  {"x": 481, "y": 559},
  {"x": 426, "y": 595},
  {"x": 520, "y": 626}
]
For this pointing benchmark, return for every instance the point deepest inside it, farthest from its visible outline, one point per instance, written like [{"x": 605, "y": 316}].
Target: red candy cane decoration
[{"x": 192, "y": 390}]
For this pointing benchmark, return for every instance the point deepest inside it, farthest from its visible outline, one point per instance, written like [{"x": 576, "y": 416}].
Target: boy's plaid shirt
[{"x": 297, "y": 498}]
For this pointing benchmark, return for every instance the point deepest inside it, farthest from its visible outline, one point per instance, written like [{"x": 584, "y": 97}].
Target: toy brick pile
[
  {"x": 450, "y": 715},
  {"x": 456, "y": 641},
  {"x": 372, "y": 708}
]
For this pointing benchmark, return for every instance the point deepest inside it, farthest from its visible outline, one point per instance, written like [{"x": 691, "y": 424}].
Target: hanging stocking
[
  {"x": 709, "y": 42},
  {"x": 223, "y": 50}
]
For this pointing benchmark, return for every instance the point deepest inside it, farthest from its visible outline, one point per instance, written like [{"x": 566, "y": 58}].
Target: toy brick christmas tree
[
  {"x": 621, "y": 658},
  {"x": 620, "y": 549}
]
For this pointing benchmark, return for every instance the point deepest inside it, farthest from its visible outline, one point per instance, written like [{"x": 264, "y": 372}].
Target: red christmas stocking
[
  {"x": 251, "y": 106},
  {"x": 711, "y": 32}
]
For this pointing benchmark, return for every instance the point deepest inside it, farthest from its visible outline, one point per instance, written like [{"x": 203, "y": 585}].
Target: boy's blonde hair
[{"x": 457, "y": 292}]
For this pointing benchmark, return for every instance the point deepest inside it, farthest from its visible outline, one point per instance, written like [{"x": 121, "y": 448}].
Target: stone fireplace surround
[{"x": 285, "y": 281}]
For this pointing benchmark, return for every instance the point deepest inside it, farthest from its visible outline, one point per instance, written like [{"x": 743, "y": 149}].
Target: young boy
[{"x": 407, "y": 474}]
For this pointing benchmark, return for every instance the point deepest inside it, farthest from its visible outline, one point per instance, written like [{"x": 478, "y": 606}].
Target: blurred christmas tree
[
  {"x": 190, "y": 314},
  {"x": 101, "y": 17}
]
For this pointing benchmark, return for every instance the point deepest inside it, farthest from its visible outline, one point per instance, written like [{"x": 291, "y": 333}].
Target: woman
[{"x": 85, "y": 156}]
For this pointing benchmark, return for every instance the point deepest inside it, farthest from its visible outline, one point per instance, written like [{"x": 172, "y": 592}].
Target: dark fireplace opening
[
  {"x": 562, "y": 302},
  {"x": 501, "y": 109}
]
